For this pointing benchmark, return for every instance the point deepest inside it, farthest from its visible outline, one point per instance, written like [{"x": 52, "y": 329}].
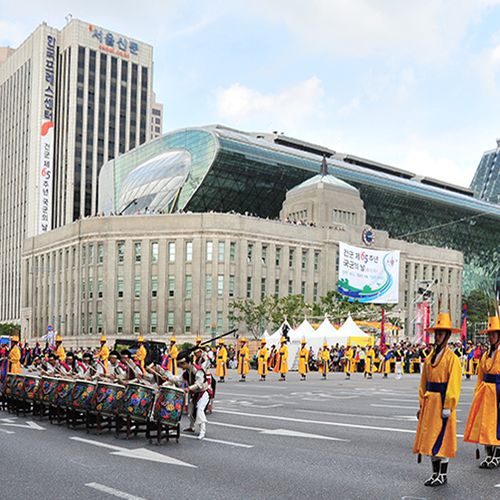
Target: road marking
[
  {"x": 396, "y": 406},
  {"x": 139, "y": 453},
  {"x": 280, "y": 432},
  {"x": 29, "y": 425},
  {"x": 112, "y": 491},
  {"x": 335, "y": 424},
  {"x": 220, "y": 441},
  {"x": 404, "y": 418},
  {"x": 496, "y": 486},
  {"x": 5, "y": 431}
]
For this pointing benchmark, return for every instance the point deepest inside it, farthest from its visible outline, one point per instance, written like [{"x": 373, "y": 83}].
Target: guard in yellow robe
[
  {"x": 14, "y": 356},
  {"x": 171, "y": 361},
  {"x": 469, "y": 360},
  {"x": 370, "y": 362},
  {"x": 262, "y": 358},
  {"x": 243, "y": 360},
  {"x": 325, "y": 360},
  {"x": 483, "y": 424},
  {"x": 438, "y": 397},
  {"x": 303, "y": 360},
  {"x": 141, "y": 352},
  {"x": 221, "y": 361},
  {"x": 281, "y": 366},
  {"x": 60, "y": 352},
  {"x": 103, "y": 353},
  {"x": 350, "y": 362}
]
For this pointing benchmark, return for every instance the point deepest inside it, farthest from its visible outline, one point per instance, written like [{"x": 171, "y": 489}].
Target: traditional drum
[
  {"x": 10, "y": 380},
  {"x": 31, "y": 387},
  {"x": 107, "y": 398},
  {"x": 63, "y": 393},
  {"x": 83, "y": 395},
  {"x": 137, "y": 402},
  {"x": 18, "y": 387},
  {"x": 47, "y": 389},
  {"x": 168, "y": 405}
]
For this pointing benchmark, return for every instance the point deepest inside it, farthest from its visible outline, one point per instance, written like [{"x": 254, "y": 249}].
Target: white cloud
[{"x": 293, "y": 105}]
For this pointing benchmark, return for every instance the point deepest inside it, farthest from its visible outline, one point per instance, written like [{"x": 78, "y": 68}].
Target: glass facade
[
  {"x": 486, "y": 181},
  {"x": 230, "y": 170}
]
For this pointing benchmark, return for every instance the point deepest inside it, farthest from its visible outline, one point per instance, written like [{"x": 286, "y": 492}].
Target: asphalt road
[{"x": 331, "y": 439}]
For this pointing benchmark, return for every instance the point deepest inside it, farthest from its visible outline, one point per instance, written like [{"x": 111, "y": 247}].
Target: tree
[
  {"x": 479, "y": 303},
  {"x": 254, "y": 316},
  {"x": 8, "y": 329}
]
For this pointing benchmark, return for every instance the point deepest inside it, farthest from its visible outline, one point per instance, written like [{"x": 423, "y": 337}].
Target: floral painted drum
[
  {"x": 47, "y": 389},
  {"x": 63, "y": 393},
  {"x": 10, "y": 380},
  {"x": 168, "y": 405},
  {"x": 107, "y": 398},
  {"x": 137, "y": 402},
  {"x": 18, "y": 387},
  {"x": 31, "y": 387},
  {"x": 83, "y": 395}
]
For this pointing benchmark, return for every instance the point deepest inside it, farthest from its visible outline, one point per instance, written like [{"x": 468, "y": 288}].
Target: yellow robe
[
  {"x": 483, "y": 425},
  {"x": 103, "y": 355},
  {"x": 15, "y": 360},
  {"x": 61, "y": 353},
  {"x": 173, "y": 352},
  {"x": 220, "y": 367},
  {"x": 282, "y": 360},
  {"x": 468, "y": 363},
  {"x": 140, "y": 355},
  {"x": 369, "y": 361},
  {"x": 325, "y": 361},
  {"x": 303, "y": 361},
  {"x": 435, "y": 436},
  {"x": 350, "y": 362},
  {"x": 243, "y": 361},
  {"x": 262, "y": 357}
]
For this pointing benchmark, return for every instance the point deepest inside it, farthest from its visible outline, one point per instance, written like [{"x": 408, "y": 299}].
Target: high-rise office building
[
  {"x": 70, "y": 100},
  {"x": 156, "y": 118},
  {"x": 486, "y": 181}
]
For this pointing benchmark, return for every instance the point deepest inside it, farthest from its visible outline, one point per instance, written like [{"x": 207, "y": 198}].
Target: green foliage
[
  {"x": 479, "y": 303},
  {"x": 8, "y": 329}
]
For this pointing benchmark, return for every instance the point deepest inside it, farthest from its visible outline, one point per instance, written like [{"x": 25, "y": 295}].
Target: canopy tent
[
  {"x": 304, "y": 330},
  {"x": 274, "y": 339},
  {"x": 353, "y": 332}
]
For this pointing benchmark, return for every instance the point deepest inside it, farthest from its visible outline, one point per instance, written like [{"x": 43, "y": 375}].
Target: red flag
[{"x": 382, "y": 332}]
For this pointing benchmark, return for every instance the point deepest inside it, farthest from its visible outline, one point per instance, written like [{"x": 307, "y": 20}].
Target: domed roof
[{"x": 325, "y": 179}]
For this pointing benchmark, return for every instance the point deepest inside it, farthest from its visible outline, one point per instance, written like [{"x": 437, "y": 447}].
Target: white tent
[
  {"x": 351, "y": 329},
  {"x": 274, "y": 339},
  {"x": 304, "y": 330},
  {"x": 326, "y": 331}
]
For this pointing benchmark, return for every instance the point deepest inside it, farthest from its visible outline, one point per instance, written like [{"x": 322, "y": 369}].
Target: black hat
[
  {"x": 70, "y": 355},
  {"x": 52, "y": 356},
  {"x": 184, "y": 357},
  {"x": 115, "y": 353},
  {"x": 87, "y": 355},
  {"x": 126, "y": 352}
]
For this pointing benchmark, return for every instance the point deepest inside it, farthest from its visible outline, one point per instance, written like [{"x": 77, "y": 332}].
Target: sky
[{"x": 413, "y": 83}]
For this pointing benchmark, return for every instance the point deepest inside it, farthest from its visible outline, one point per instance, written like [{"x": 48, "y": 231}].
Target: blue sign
[{"x": 50, "y": 328}]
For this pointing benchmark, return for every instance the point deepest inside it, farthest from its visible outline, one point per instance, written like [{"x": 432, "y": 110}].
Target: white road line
[
  {"x": 5, "y": 431},
  {"x": 219, "y": 441},
  {"x": 112, "y": 491},
  {"x": 375, "y": 417},
  {"x": 396, "y": 406}
]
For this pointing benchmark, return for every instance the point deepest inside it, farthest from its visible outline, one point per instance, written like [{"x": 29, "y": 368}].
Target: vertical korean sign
[
  {"x": 370, "y": 276},
  {"x": 47, "y": 136}
]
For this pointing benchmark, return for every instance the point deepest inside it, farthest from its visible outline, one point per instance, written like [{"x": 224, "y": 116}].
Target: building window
[
  {"x": 187, "y": 321},
  {"x": 171, "y": 285},
  {"x": 188, "y": 286},
  {"x": 120, "y": 287},
  {"x": 303, "y": 289},
  {"x": 154, "y": 287},
  {"x": 83, "y": 289},
  {"x": 90, "y": 324},
  {"x": 208, "y": 286},
  {"x": 170, "y": 321},
  {"x": 100, "y": 253},
  {"x": 220, "y": 285},
  {"x": 249, "y": 287},
  {"x": 276, "y": 287},
  {"x": 315, "y": 292},
  {"x": 154, "y": 252},
  {"x": 137, "y": 287},
  {"x": 232, "y": 251},
  {"x": 208, "y": 321},
  {"x": 137, "y": 252},
  {"x": 290, "y": 287},
  {"x": 91, "y": 288},
  {"x": 137, "y": 321},
  {"x": 100, "y": 288},
  {"x": 91, "y": 254},
  {"x": 406, "y": 299},
  {"x": 407, "y": 271},
  {"x": 153, "y": 322},
  {"x": 231, "y": 285},
  {"x": 337, "y": 261},
  {"x": 84, "y": 254},
  {"x": 210, "y": 251},
  {"x": 171, "y": 251},
  {"x": 219, "y": 321},
  {"x": 249, "y": 252},
  {"x": 121, "y": 252},
  {"x": 291, "y": 257},
  {"x": 304, "y": 259},
  {"x": 222, "y": 250},
  {"x": 264, "y": 254},
  {"x": 316, "y": 260},
  {"x": 189, "y": 251},
  {"x": 99, "y": 322},
  {"x": 278, "y": 256},
  {"x": 119, "y": 321},
  {"x": 262, "y": 288}
]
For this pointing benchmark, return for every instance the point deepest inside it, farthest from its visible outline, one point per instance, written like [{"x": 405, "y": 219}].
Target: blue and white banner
[{"x": 370, "y": 276}]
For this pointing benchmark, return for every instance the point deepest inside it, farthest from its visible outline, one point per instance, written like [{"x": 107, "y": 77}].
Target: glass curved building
[{"x": 215, "y": 168}]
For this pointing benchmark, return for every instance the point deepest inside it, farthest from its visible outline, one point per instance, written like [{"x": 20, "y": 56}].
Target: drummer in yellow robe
[
  {"x": 141, "y": 352},
  {"x": 221, "y": 361},
  {"x": 60, "y": 352},
  {"x": 173, "y": 352},
  {"x": 303, "y": 360},
  {"x": 325, "y": 360},
  {"x": 468, "y": 360},
  {"x": 370, "y": 362},
  {"x": 350, "y": 362},
  {"x": 243, "y": 360},
  {"x": 262, "y": 358},
  {"x": 14, "y": 356},
  {"x": 483, "y": 424},
  {"x": 438, "y": 396},
  {"x": 281, "y": 366},
  {"x": 197, "y": 341},
  {"x": 103, "y": 353}
]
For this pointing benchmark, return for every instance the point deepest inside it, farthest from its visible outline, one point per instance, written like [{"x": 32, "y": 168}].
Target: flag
[
  {"x": 463, "y": 333},
  {"x": 382, "y": 332}
]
